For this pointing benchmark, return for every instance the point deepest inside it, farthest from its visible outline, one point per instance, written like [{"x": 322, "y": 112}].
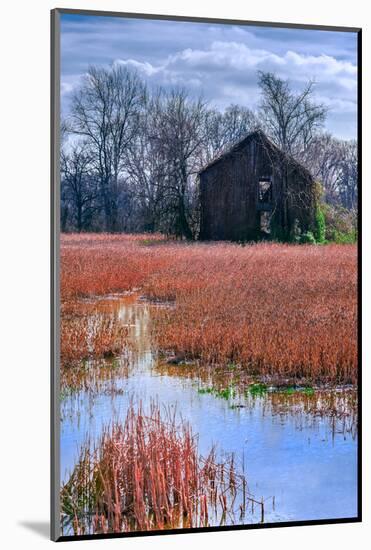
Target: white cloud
[
  {"x": 69, "y": 83},
  {"x": 226, "y": 72},
  {"x": 143, "y": 67},
  {"x": 239, "y": 57}
]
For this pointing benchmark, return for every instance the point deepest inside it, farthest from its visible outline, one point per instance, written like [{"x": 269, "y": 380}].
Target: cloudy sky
[{"x": 215, "y": 60}]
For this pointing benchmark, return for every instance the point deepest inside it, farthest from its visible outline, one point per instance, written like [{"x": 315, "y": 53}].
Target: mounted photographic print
[{"x": 205, "y": 274}]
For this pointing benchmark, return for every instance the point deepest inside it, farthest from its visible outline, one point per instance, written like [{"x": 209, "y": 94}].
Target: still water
[{"x": 308, "y": 463}]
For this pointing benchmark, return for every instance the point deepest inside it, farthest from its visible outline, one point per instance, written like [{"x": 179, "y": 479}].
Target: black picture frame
[{"x": 55, "y": 266}]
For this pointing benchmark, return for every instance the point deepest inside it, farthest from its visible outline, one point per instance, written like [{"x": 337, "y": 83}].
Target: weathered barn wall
[
  {"x": 228, "y": 204},
  {"x": 229, "y": 187}
]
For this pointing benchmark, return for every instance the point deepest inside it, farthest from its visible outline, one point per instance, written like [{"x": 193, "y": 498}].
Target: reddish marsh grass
[
  {"x": 273, "y": 309},
  {"x": 90, "y": 342},
  {"x": 102, "y": 264},
  {"x": 147, "y": 474},
  {"x": 90, "y": 336}
]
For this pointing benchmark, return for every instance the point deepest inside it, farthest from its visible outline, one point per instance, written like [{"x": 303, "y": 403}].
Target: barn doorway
[{"x": 265, "y": 222}]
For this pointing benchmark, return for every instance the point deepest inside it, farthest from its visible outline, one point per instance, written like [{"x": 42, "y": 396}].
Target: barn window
[{"x": 265, "y": 190}]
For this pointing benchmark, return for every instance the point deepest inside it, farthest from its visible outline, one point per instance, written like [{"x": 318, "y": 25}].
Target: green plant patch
[
  {"x": 291, "y": 390},
  {"x": 203, "y": 391},
  {"x": 225, "y": 393},
  {"x": 257, "y": 389},
  {"x": 151, "y": 242},
  {"x": 232, "y": 366}
]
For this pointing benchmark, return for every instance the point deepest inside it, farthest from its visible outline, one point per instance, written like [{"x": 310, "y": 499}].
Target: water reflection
[{"x": 301, "y": 449}]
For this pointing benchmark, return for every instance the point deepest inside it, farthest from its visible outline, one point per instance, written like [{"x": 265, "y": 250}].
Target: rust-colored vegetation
[
  {"x": 147, "y": 474},
  {"x": 90, "y": 336},
  {"x": 271, "y": 309}
]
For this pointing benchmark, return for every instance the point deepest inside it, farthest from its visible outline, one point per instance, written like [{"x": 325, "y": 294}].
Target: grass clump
[
  {"x": 320, "y": 226},
  {"x": 147, "y": 474}
]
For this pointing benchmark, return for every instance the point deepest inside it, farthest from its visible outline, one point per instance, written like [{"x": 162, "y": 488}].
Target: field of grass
[{"x": 274, "y": 310}]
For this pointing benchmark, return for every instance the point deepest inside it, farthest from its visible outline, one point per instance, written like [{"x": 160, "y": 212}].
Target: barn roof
[{"x": 257, "y": 135}]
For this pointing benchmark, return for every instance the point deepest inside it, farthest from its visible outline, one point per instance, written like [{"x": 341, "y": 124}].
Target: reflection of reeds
[
  {"x": 90, "y": 336},
  {"x": 288, "y": 311},
  {"x": 335, "y": 405},
  {"x": 147, "y": 474},
  {"x": 95, "y": 376},
  {"x": 101, "y": 339}
]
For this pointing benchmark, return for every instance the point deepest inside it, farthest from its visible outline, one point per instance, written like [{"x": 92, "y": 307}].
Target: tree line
[{"x": 130, "y": 154}]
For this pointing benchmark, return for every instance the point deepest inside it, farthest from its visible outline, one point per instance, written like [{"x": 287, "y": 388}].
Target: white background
[{"x": 24, "y": 269}]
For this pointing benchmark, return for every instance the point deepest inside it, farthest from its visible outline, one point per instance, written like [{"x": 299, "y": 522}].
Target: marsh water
[{"x": 306, "y": 460}]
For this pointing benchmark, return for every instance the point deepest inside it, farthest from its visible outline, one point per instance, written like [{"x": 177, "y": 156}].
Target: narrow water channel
[{"x": 307, "y": 463}]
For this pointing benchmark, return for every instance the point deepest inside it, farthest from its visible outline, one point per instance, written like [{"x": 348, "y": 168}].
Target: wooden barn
[{"x": 255, "y": 191}]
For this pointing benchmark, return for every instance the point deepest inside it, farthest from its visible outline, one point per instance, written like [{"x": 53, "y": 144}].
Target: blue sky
[{"x": 215, "y": 60}]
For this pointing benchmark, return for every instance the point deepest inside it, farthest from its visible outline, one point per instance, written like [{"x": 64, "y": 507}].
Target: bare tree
[
  {"x": 333, "y": 162},
  {"x": 105, "y": 111},
  {"x": 348, "y": 181},
  {"x": 322, "y": 158},
  {"x": 291, "y": 119},
  {"x": 79, "y": 187},
  {"x": 147, "y": 165},
  {"x": 179, "y": 133},
  {"x": 222, "y": 129}
]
